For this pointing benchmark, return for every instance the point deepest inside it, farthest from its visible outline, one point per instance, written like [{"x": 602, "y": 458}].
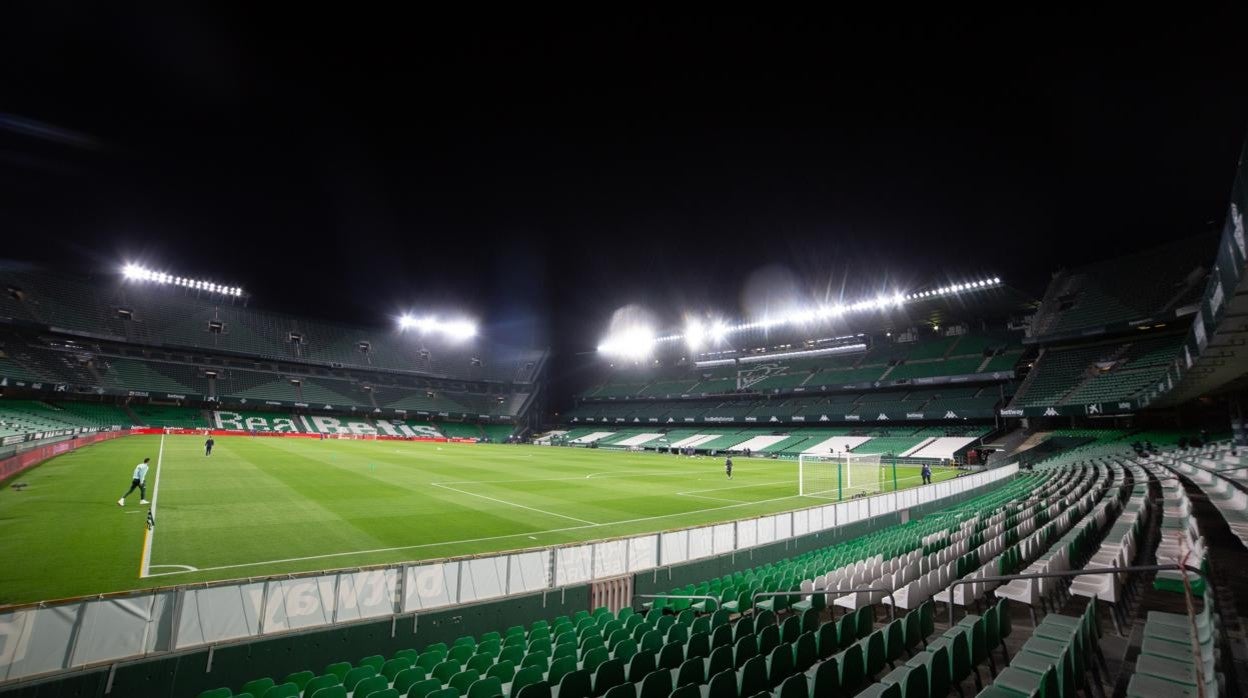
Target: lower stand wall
[{"x": 186, "y": 674}]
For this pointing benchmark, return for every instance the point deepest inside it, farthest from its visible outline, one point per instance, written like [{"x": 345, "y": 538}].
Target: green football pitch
[{"x": 262, "y": 506}]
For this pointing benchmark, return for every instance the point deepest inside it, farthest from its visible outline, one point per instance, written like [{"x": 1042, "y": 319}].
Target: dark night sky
[{"x": 543, "y": 171}]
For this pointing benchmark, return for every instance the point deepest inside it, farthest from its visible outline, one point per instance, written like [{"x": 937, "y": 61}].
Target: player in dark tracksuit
[
  {"x": 926, "y": 472},
  {"x": 208, "y": 446},
  {"x": 728, "y": 467}
]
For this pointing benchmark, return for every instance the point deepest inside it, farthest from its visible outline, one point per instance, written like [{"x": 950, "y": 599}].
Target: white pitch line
[
  {"x": 703, "y": 496},
  {"x": 150, "y": 533},
  {"x": 694, "y": 493},
  {"x": 186, "y": 568},
  {"x": 512, "y": 504},
  {"x": 528, "y": 534},
  {"x": 616, "y": 473},
  {"x": 739, "y": 487}
]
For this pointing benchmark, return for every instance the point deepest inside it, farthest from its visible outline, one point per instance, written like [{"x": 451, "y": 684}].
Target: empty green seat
[
  {"x": 370, "y": 685},
  {"x": 282, "y": 690},
  {"x": 323, "y": 681},
  {"x": 357, "y": 675},
  {"x": 424, "y": 688},
  {"x": 461, "y": 681},
  {"x": 257, "y": 687},
  {"x": 488, "y": 687},
  {"x": 300, "y": 678}
]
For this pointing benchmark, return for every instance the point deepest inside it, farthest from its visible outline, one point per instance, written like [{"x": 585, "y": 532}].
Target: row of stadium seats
[
  {"x": 1103, "y": 372},
  {"x": 29, "y": 416},
  {"x": 962, "y": 401},
  {"x": 763, "y": 441},
  {"x": 167, "y": 316},
  {"x": 78, "y": 367},
  {"x": 946, "y": 356},
  {"x": 1146, "y": 284}
]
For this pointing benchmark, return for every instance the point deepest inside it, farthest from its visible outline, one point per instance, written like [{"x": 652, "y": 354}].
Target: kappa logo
[
  {"x": 1050, "y": 412},
  {"x": 951, "y": 415},
  {"x": 773, "y": 419},
  {"x": 882, "y": 418},
  {"x": 824, "y": 418}
]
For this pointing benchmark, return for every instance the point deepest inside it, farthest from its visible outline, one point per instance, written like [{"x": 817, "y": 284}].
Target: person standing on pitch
[
  {"x": 728, "y": 467},
  {"x": 926, "y": 472},
  {"x": 139, "y": 482},
  {"x": 208, "y": 446}
]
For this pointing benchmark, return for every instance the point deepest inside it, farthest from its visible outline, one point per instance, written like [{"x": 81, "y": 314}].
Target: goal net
[{"x": 839, "y": 476}]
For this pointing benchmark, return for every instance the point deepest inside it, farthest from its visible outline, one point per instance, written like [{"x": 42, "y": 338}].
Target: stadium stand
[
  {"x": 1099, "y": 372},
  {"x": 132, "y": 342},
  {"x": 1157, "y": 284},
  {"x": 170, "y": 416},
  {"x": 163, "y": 316},
  {"x": 888, "y": 361},
  {"x": 809, "y": 635}
]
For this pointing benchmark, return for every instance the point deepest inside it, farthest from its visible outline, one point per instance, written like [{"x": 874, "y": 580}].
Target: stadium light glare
[
  {"x": 137, "y": 272},
  {"x": 632, "y": 343},
  {"x": 640, "y": 342},
  {"x": 453, "y": 329},
  {"x": 459, "y": 329},
  {"x": 695, "y": 334}
]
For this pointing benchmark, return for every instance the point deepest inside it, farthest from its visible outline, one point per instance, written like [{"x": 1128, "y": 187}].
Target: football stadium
[{"x": 512, "y": 464}]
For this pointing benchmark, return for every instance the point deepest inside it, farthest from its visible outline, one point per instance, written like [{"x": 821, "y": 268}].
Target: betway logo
[
  {"x": 914, "y": 415},
  {"x": 1012, "y": 413},
  {"x": 852, "y": 418}
]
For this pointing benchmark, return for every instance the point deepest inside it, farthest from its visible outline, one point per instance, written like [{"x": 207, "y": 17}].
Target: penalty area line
[{"x": 512, "y": 504}]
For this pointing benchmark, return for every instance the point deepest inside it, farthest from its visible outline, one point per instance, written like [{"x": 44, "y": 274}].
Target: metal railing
[
  {"x": 1066, "y": 573},
  {"x": 836, "y": 592},
  {"x": 711, "y": 599}
]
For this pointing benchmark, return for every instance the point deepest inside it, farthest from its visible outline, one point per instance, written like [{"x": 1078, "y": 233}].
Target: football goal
[{"x": 839, "y": 476}]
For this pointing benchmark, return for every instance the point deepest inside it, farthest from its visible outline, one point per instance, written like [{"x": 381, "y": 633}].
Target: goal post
[{"x": 839, "y": 475}]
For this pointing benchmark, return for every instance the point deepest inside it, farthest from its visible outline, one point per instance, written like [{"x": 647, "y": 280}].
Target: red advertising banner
[{"x": 28, "y": 459}]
